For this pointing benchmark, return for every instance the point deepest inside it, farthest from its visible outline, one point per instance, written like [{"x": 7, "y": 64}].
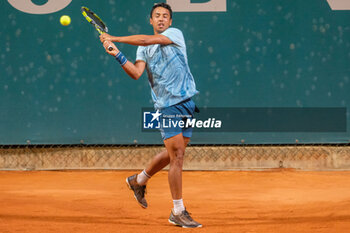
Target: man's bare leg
[
  {"x": 137, "y": 183},
  {"x": 176, "y": 150},
  {"x": 161, "y": 160}
]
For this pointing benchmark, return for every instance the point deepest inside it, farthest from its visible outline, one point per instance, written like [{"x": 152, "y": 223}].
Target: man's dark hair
[{"x": 164, "y": 5}]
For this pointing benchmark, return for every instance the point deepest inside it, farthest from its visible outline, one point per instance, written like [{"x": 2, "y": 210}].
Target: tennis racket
[{"x": 96, "y": 21}]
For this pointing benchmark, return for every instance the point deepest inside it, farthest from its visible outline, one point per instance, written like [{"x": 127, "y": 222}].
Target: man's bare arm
[
  {"x": 133, "y": 70},
  {"x": 140, "y": 40}
]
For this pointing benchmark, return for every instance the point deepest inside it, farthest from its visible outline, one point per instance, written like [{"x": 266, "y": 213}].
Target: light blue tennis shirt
[{"x": 169, "y": 75}]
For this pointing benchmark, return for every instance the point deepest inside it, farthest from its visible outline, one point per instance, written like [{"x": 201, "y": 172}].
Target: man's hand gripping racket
[{"x": 96, "y": 21}]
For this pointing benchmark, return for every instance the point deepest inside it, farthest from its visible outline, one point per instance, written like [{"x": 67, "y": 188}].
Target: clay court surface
[{"x": 234, "y": 201}]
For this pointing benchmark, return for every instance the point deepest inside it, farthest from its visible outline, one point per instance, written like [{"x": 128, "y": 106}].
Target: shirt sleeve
[
  {"x": 175, "y": 35},
  {"x": 140, "y": 54}
]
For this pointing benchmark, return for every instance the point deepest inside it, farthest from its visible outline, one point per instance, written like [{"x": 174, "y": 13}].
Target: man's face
[{"x": 160, "y": 20}]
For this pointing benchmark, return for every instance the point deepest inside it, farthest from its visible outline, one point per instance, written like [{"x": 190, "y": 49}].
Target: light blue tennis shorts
[{"x": 174, "y": 119}]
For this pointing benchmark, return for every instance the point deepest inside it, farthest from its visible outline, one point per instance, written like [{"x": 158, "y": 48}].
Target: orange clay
[{"x": 233, "y": 201}]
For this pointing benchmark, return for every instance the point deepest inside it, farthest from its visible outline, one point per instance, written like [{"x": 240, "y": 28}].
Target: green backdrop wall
[{"x": 58, "y": 86}]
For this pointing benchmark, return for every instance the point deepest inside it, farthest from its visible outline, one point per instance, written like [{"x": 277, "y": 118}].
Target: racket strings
[{"x": 95, "y": 20}]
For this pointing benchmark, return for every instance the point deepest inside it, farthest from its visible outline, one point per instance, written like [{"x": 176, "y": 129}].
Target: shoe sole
[
  {"x": 176, "y": 224},
  {"x": 127, "y": 183}
]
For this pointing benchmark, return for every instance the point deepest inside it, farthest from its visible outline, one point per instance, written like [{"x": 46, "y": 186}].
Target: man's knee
[{"x": 178, "y": 156}]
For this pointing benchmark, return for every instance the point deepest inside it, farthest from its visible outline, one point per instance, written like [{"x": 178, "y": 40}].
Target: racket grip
[{"x": 110, "y": 48}]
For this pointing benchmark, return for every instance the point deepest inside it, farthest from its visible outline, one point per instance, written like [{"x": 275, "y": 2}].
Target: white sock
[
  {"x": 178, "y": 206},
  {"x": 142, "y": 178}
]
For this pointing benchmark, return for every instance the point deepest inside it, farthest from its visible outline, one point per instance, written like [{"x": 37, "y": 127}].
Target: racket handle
[{"x": 110, "y": 48}]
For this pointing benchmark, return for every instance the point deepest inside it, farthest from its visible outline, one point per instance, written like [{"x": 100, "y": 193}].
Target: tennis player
[{"x": 164, "y": 57}]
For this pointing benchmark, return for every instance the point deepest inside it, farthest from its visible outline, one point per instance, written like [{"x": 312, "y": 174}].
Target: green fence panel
[{"x": 58, "y": 86}]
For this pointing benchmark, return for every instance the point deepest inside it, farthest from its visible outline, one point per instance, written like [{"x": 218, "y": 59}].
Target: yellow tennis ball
[{"x": 65, "y": 20}]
